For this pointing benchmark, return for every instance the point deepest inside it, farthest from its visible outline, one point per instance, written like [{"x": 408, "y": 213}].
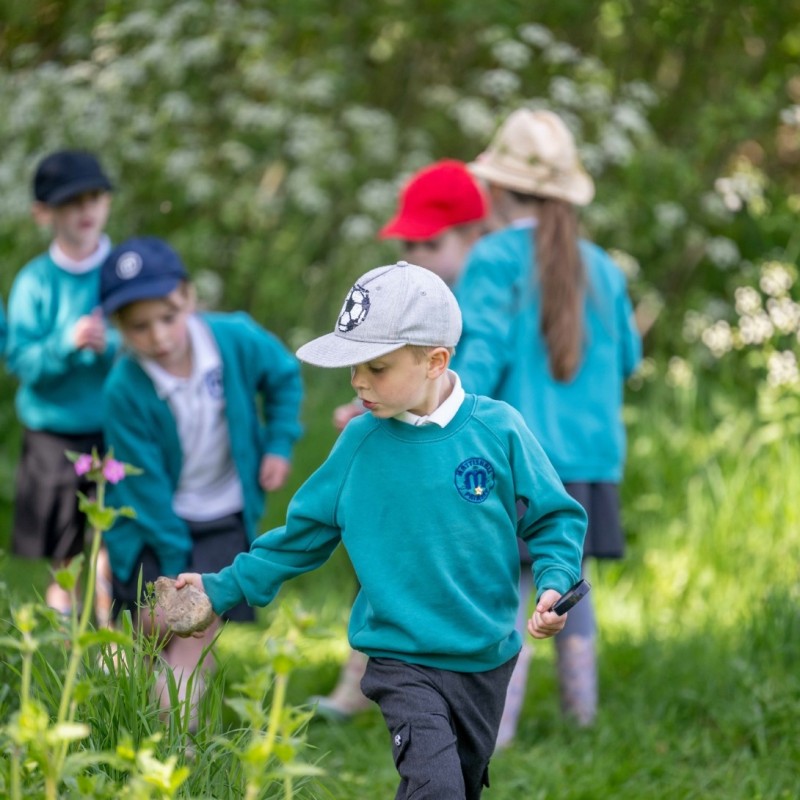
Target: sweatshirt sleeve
[
  {"x": 304, "y": 543},
  {"x": 35, "y": 351},
  {"x": 554, "y": 524},
  {"x": 280, "y": 387},
  {"x": 488, "y": 301}
]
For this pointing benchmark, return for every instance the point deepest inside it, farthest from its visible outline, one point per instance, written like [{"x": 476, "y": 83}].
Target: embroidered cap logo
[
  {"x": 355, "y": 309},
  {"x": 129, "y": 265}
]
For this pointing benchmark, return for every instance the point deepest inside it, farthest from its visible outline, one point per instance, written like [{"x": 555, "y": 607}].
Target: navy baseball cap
[
  {"x": 66, "y": 174},
  {"x": 144, "y": 268}
]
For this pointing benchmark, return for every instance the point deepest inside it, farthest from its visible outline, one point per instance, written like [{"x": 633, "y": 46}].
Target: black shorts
[
  {"x": 215, "y": 543},
  {"x": 47, "y": 522},
  {"x": 604, "y": 534}
]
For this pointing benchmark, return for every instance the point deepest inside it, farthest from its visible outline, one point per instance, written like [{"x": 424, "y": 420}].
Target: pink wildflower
[
  {"x": 113, "y": 471},
  {"x": 83, "y": 464}
]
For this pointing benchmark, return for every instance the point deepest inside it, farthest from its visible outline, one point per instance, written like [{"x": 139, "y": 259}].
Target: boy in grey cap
[{"x": 423, "y": 494}]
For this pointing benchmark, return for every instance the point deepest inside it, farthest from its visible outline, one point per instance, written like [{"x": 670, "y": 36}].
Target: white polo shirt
[{"x": 209, "y": 486}]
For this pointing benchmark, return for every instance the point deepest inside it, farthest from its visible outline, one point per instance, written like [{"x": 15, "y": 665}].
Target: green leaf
[
  {"x": 127, "y": 511},
  {"x": 101, "y": 518},
  {"x": 105, "y": 636}
]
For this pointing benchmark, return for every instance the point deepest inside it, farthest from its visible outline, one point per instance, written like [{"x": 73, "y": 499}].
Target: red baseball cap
[{"x": 437, "y": 197}]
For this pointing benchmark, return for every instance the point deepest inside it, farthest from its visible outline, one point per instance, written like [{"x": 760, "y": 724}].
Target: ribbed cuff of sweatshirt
[{"x": 222, "y": 589}]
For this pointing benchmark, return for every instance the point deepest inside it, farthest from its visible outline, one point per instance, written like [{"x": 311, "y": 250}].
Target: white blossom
[
  {"x": 499, "y": 83},
  {"x": 694, "y": 324},
  {"x": 536, "y": 35},
  {"x": 756, "y": 328},
  {"x": 782, "y": 368},
  {"x": 718, "y": 338},
  {"x": 511, "y": 54},
  {"x": 474, "y": 118},
  {"x": 784, "y": 313},
  {"x": 776, "y": 279},
  {"x": 670, "y": 215},
  {"x": 748, "y": 300},
  {"x": 722, "y": 252},
  {"x": 358, "y": 227},
  {"x": 679, "y": 373}
]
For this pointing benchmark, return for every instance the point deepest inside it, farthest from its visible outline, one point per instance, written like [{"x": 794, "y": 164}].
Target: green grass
[{"x": 699, "y": 646}]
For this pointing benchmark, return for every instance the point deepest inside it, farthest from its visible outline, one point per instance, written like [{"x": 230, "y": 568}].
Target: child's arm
[
  {"x": 281, "y": 389},
  {"x": 36, "y": 350},
  {"x": 554, "y": 524}
]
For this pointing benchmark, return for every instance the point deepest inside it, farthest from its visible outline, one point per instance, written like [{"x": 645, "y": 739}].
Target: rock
[{"x": 186, "y": 610}]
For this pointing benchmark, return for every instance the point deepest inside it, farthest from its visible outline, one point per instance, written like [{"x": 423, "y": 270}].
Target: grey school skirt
[{"x": 604, "y": 535}]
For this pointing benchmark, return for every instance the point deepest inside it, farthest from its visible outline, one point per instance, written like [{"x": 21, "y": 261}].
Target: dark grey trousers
[{"x": 443, "y": 725}]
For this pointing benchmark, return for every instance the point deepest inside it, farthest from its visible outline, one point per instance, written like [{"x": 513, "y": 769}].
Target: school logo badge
[
  {"x": 213, "y": 381},
  {"x": 474, "y": 479},
  {"x": 355, "y": 309},
  {"x": 129, "y": 265}
]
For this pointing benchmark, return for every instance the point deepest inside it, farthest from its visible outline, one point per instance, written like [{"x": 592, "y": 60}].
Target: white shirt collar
[
  {"x": 205, "y": 357},
  {"x": 83, "y": 265},
  {"x": 524, "y": 222},
  {"x": 445, "y": 412}
]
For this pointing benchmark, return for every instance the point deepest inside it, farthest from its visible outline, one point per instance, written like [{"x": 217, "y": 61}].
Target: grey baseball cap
[{"x": 386, "y": 309}]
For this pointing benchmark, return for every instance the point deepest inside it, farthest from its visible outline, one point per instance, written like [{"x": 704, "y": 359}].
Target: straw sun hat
[{"x": 533, "y": 152}]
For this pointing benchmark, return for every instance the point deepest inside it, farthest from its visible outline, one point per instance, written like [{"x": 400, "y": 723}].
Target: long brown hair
[{"x": 562, "y": 278}]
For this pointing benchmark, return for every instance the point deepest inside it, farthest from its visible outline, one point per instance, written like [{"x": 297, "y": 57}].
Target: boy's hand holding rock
[{"x": 186, "y": 608}]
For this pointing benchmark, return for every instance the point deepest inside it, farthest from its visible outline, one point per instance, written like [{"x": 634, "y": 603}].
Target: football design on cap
[{"x": 354, "y": 310}]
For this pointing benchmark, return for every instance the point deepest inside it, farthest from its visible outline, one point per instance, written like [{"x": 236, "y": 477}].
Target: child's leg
[
  {"x": 577, "y": 663},
  {"x": 346, "y": 699},
  {"x": 104, "y": 594},
  {"x": 184, "y": 657},
  {"x": 443, "y": 725},
  {"x": 515, "y": 695}
]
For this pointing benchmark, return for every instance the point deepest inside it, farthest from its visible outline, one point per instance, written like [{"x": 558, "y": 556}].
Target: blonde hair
[{"x": 420, "y": 351}]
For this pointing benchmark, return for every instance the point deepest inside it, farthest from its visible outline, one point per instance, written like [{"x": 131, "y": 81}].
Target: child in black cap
[{"x": 60, "y": 350}]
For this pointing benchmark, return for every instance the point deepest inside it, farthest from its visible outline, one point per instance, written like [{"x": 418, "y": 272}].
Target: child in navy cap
[
  {"x": 60, "y": 350},
  {"x": 422, "y": 492},
  {"x": 208, "y": 406}
]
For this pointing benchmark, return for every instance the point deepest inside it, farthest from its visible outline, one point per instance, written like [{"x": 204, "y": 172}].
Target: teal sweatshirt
[
  {"x": 140, "y": 427},
  {"x": 60, "y": 386},
  {"x": 428, "y": 516},
  {"x": 502, "y": 353}
]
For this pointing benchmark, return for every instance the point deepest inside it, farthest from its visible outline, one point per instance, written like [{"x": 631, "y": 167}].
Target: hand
[
  {"x": 90, "y": 332},
  {"x": 545, "y": 623},
  {"x": 273, "y": 472},
  {"x": 343, "y": 414},
  {"x": 189, "y": 579}
]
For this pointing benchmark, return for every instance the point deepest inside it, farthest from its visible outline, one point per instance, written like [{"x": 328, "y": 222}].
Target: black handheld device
[{"x": 566, "y": 601}]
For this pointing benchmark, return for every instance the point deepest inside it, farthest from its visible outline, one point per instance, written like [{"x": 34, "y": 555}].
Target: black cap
[
  {"x": 145, "y": 268},
  {"x": 66, "y": 174}
]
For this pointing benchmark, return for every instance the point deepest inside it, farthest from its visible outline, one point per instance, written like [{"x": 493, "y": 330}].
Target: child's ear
[
  {"x": 438, "y": 361},
  {"x": 42, "y": 214},
  {"x": 190, "y": 294}
]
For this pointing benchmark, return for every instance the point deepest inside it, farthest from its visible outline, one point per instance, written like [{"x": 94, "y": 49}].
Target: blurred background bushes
[{"x": 267, "y": 143}]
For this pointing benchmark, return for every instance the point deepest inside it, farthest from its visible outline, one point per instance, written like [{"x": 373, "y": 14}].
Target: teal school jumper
[
  {"x": 502, "y": 353},
  {"x": 428, "y": 516},
  {"x": 59, "y": 384},
  {"x": 141, "y": 429}
]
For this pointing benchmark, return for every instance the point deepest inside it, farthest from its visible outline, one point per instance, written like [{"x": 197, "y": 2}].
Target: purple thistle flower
[
  {"x": 83, "y": 464},
  {"x": 113, "y": 471}
]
